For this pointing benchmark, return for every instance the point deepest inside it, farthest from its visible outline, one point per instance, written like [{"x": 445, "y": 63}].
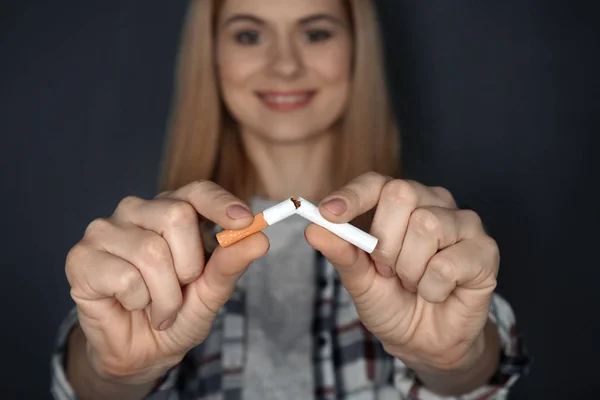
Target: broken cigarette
[
  {"x": 270, "y": 216},
  {"x": 346, "y": 231},
  {"x": 306, "y": 209}
]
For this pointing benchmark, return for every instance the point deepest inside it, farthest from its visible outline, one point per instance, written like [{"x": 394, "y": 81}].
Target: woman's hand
[
  {"x": 426, "y": 289},
  {"x": 144, "y": 291}
]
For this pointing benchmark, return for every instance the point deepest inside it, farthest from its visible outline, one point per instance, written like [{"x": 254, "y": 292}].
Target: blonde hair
[{"x": 203, "y": 141}]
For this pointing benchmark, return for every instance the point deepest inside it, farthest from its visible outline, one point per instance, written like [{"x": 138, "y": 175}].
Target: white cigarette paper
[
  {"x": 346, "y": 231},
  {"x": 306, "y": 209},
  {"x": 279, "y": 212}
]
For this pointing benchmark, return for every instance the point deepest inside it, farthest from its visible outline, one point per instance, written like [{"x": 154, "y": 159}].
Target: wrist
[
  {"x": 474, "y": 370},
  {"x": 88, "y": 379}
]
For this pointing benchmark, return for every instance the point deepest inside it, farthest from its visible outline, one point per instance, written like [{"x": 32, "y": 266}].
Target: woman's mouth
[{"x": 286, "y": 101}]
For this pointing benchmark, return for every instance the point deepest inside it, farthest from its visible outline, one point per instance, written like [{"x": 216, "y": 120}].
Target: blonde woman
[{"x": 275, "y": 99}]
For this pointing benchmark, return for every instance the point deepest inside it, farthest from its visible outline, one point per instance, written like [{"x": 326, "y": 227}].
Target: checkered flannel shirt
[{"x": 349, "y": 362}]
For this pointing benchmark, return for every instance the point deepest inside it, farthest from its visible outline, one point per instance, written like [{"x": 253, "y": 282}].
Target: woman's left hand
[{"x": 426, "y": 289}]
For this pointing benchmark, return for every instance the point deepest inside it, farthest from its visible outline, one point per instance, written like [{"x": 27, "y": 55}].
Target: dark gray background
[{"x": 499, "y": 103}]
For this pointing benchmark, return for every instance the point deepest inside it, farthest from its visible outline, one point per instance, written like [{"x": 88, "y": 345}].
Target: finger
[
  {"x": 164, "y": 194},
  {"x": 469, "y": 268},
  {"x": 353, "y": 265},
  {"x": 398, "y": 200},
  {"x": 356, "y": 198},
  {"x": 431, "y": 229},
  {"x": 445, "y": 195},
  {"x": 177, "y": 222},
  {"x": 216, "y": 285},
  {"x": 216, "y": 204},
  {"x": 98, "y": 275},
  {"x": 150, "y": 254},
  {"x": 208, "y": 199}
]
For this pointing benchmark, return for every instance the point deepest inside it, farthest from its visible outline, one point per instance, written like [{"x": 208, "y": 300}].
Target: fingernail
[
  {"x": 385, "y": 270},
  {"x": 166, "y": 324},
  {"x": 236, "y": 212},
  {"x": 336, "y": 206}
]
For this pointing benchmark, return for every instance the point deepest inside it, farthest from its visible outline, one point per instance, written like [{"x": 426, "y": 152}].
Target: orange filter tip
[{"x": 230, "y": 236}]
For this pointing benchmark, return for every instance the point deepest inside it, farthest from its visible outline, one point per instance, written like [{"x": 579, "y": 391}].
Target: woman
[{"x": 278, "y": 99}]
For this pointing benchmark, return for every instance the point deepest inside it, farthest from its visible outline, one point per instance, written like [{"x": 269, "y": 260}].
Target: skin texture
[{"x": 146, "y": 295}]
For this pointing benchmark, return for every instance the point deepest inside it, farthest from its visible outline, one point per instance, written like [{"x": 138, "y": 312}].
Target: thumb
[
  {"x": 355, "y": 267},
  {"x": 204, "y": 298},
  {"x": 226, "y": 266}
]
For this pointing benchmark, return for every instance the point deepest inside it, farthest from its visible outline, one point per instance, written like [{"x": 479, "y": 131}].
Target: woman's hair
[{"x": 204, "y": 142}]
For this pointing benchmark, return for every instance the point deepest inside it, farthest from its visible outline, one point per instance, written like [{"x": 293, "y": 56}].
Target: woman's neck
[{"x": 291, "y": 169}]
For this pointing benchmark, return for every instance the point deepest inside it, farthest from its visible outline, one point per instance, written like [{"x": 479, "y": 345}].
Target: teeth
[{"x": 286, "y": 99}]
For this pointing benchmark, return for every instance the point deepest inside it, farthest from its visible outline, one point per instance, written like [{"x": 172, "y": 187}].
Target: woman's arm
[
  {"x": 496, "y": 371},
  {"x": 88, "y": 384},
  {"x": 486, "y": 359},
  {"x": 73, "y": 378}
]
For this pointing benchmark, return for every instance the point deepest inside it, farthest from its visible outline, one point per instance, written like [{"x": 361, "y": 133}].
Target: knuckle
[
  {"x": 443, "y": 268},
  {"x": 74, "y": 255},
  {"x": 164, "y": 194},
  {"x": 424, "y": 222},
  {"x": 400, "y": 192},
  {"x": 97, "y": 227},
  {"x": 130, "y": 281},
  {"x": 209, "y": 191},
  {"x": 198, "y": 186},
  {"x": 472, "y": 218},
  {"x": 444, "y": 194},
  {"x": 155, "y": 249},
  {"x": 74, "y": 259},
  {"x": 490, "y": 246},
  {"x": 181, "y": 213},
  {"x": 127, "y": 203},
  {"x": 373, "y": 176}
]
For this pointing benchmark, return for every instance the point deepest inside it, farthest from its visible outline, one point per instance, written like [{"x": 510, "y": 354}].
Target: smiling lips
[{"x": 286, "y": 101}]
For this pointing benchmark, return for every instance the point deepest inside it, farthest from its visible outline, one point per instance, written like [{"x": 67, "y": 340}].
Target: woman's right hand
[{"x": 144, "y": 292}]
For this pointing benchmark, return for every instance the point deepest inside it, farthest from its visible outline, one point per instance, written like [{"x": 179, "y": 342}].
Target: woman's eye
[
  {"x": 317, "y": 35},
  {"x": 248, "y": 37}
]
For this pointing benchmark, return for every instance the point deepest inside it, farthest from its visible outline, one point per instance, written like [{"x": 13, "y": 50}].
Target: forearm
[
  {"x": 455, "y": 383},
  {"x": 87, "y": 383}
]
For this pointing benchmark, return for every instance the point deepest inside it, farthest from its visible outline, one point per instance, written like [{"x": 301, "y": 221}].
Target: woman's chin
[{"x": 288, "y": 134}]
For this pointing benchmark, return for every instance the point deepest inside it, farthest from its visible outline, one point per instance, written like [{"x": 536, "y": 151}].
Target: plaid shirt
[{"x": 349, "y": 362}]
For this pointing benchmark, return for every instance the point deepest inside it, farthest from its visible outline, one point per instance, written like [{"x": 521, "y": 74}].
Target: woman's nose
[{"x": 286, "y": 61}]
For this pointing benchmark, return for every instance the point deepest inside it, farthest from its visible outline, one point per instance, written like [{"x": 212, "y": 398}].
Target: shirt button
[{"x": 322, "y": 341}]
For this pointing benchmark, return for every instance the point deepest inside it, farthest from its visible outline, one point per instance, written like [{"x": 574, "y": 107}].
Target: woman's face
[{"x": 284, "y": 65}]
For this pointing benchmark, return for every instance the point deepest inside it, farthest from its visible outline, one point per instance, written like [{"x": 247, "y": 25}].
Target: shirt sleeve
[
  {"x": 60, "y": 387},
  {"x": 514, "y": 362}
]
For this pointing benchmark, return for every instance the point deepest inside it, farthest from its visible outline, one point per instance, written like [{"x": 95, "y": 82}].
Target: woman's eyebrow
[
  {"x": 243, "y": 18},
  {"x": 304, "y": 21},
  {"x": 322, "y": 17}
]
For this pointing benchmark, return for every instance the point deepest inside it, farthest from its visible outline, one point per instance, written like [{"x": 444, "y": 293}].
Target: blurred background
[{"x": 499, "y": 102}]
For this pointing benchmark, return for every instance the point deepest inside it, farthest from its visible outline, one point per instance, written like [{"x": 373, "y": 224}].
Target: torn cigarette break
[
  {"x": 268, "y": 217},
  {"x": 296, "y": 202}
]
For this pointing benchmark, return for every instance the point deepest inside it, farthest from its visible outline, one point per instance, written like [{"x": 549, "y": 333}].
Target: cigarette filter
[
  {"x": 346, "y": 231},
  {"x": 270, "y": 216}
]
